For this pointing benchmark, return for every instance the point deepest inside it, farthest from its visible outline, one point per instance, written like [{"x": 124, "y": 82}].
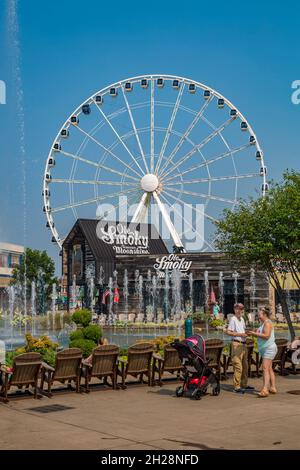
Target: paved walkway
[{"x": 153, "y": 418}]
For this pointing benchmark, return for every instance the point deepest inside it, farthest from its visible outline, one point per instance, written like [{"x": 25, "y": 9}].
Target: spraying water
[
  {"x": 53, "y": 298},
  {"x": 91, "y": 293},
  {"x": 206, "y": 287},
  {"x": 140, "y": 294},
  {"x": 73, "y": 293},
  {"x": 154, "y": 295},
  {"x": 110, "y": 304},
  {"x": 125, "y": 293},
  {"x": 11, "y": 306},
  {"x": 167, "y": 300},
  {"x": 235, "y": 276},
  {"x": 136, "y": 282},
  {"x": 191, "y": 286},
  {"x": 33, "y": 307},
  {"x": 221, "y": 291}
]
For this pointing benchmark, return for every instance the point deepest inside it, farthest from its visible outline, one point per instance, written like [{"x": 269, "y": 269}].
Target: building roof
[
  {"x": 102, "y": 250},
  {"x": 11, "y": 248}
]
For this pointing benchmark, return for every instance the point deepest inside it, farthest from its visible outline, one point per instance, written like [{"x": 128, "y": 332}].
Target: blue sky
[{"x": 69, "y": 49}]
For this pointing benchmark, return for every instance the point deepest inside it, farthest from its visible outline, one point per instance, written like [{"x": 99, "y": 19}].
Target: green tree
[
  {"x": 38, "y": 267},
  {"x": 265, "y": 234}
]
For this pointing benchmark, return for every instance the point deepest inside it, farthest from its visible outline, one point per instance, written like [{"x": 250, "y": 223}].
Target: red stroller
[{"x": 198, "y": 377}]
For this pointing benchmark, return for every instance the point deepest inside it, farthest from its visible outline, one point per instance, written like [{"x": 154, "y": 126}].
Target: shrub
[
  {"x": 215, "y": 322},
  {"x": 49, "y": 356},
  {"x": 82, "y": 317},
  {"x": 93, "y": 332},
  {"x": 43, "y": 345},
  {"x": 9, "y": 358},
  {"x": 123, "y": 351},
  {"x": 39, "y": 344},
  {"x": 86, "y": 346},
  {"x": 77, "y": 334}
]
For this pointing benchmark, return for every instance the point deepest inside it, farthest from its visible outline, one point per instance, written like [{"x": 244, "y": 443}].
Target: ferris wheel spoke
[
  {"x": 199, "y": 146},
  {"x": 93, "y": 182},
  {"x": 185, "y": 221},
  {"x": 170, "y": 127},
  {"x": 201, "y": 195},
  {"x": 98, "y": 165},
  {"x": 212, "y": 219},
  {"x": 141, "y": 209},
  {"x": 186, "y": 134},
  {"x": 119, "y": 137},
  {"x": 213, "y": 178},
  {"x": 107, "y": 150},
  {"x": 152, "y": 128},
  {"x": 135, "y": 129},
  {"x": 176, "y": 239},
  {"x": 209, "y": 162},
  {"x": 92, "y": 200}
]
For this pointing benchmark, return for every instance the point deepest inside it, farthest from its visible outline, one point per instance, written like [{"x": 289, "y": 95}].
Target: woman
[
  {"x": 216, "y": 310},
  {"x": 267, "y": 349}
]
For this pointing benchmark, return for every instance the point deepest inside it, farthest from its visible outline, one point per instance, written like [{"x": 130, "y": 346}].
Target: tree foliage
[
  {"x": 265, "y": 233},
  {"x": 38, "y": 266}
]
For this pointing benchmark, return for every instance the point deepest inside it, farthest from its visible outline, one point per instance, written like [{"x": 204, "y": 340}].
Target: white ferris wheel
[{"x": 159, "y": 139}]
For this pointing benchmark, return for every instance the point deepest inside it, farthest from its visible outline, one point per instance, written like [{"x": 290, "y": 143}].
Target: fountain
[
  {"x": 11, "y": 303},
  {"x": 140, "y": 294},
  {"x": 235, "y": 276},
  {"x": 176, "y": 295},
  {"x": 136, "y": 282},
  {"x": 125, "y": 294},
  {"x": 73, "y": 294},
  {"x": 191, "y": 289},
  {"x": 111, "y": 318},
  {"x": 33, "y": 308},
  {"x": 167, "y": 300},
  {"x": 91, "y": 288},
  {"x": 221, "y": 291},
  {"x": 206, "y": 291},
  {"x": 154, "y": 294}
]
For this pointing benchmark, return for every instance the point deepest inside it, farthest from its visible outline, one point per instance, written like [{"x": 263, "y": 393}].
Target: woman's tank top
[{"x": 263, "y": 344}]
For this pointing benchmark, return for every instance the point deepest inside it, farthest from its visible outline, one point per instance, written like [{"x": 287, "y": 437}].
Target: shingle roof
[{"x": 102, "y": 250}]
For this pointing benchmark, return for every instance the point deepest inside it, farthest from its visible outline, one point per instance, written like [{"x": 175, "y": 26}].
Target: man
[{"x": 236, "y": 329}]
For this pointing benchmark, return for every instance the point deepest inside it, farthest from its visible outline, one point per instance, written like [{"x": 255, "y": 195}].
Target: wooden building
[{"x": 95, "y": 249}]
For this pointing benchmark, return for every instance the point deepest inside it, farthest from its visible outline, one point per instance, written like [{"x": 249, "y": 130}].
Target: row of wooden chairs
[
  {"x": 142, "y": 363},
  {"x": 30, "y": 371}
]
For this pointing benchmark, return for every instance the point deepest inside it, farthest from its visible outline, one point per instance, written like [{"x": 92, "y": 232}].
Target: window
[
  {"x": 15, "y": 260},
  {"x": 3, "y": 260}
]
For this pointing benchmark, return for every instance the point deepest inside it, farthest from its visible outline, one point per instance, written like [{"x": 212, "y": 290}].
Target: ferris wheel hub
[{"x": 149, "y": 183}]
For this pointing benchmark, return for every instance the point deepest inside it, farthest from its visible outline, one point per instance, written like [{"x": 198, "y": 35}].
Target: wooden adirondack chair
[
  {"x": 138, "y": 363},
  {"x": 214, "y": 348},
  {"x": 25, "y": 373},
  {"x": 170, "y": 362},
  {"x": 103, "y": 364},
  {"x": 67, "y": 369}
]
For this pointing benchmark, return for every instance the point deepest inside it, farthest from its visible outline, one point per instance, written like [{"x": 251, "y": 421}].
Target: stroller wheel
[
  {"x": 196, "y": 395},
  {"x": 179, "y": 391}
]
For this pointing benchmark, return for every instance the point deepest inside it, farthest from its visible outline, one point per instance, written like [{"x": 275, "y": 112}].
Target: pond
[{"x": 123, "y": 337}]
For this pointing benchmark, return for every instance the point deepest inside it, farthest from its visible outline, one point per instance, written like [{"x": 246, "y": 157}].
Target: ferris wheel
[{"x": 153, "y": 139}]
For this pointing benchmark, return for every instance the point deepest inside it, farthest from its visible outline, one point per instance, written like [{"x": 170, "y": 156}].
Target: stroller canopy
[
  {"x": 192, "y": 346},
  {"x": 196, "y": 344}
]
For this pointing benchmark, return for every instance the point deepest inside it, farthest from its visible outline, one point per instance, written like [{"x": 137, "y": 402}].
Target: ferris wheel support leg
[
  {"x": 176, "y": 239},
  {"x": 141, "y": 210}
]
